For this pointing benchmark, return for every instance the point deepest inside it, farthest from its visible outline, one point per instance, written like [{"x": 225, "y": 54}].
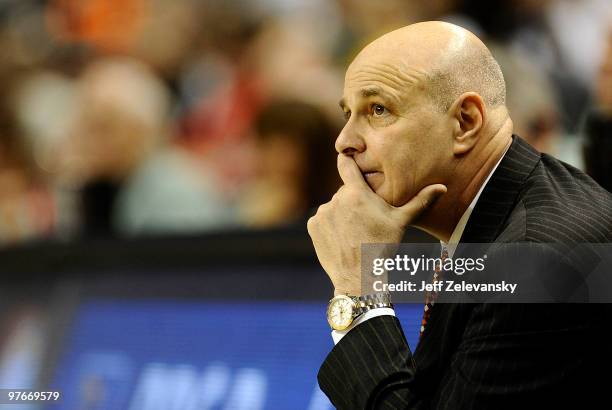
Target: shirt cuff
[{"x": 337, "y": 335}]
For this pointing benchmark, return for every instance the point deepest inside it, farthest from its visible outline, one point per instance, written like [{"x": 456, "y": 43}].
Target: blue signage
[{"x": 175, "y": 355}]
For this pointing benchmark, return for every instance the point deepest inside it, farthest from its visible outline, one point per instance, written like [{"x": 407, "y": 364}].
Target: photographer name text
[{"x": 444, "y": 286}]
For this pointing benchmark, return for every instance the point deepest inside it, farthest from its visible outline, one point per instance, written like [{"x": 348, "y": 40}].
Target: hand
[{"x": 356, "y": 215}]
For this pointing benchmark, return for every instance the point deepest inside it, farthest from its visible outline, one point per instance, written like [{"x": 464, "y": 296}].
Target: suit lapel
[
  {"x": 486, "y": 222},
  {"x": 499, "y": 196}
]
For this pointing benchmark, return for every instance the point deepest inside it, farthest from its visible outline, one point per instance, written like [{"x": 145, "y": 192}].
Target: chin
[{"x": 401, "y": 200}]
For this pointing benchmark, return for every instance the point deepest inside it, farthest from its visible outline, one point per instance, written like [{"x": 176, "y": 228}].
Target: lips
[{"x": 373, "y": 179}]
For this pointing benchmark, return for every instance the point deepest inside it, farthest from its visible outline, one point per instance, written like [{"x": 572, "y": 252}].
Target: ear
[{"x": 468, "y": 113}]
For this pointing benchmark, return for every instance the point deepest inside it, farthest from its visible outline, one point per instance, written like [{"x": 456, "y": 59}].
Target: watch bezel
[{"x": 335, "y": 300}]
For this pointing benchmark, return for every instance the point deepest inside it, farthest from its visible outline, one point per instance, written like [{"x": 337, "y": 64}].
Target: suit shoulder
[{"x": 560, "y": 203}]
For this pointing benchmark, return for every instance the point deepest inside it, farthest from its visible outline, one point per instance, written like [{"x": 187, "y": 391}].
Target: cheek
[
  {"x": 410, "y": 165},
  {"x": 400, "y": 173},
  {"x": 402, "y": 182}
]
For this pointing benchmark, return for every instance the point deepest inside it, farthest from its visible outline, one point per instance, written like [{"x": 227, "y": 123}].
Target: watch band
[{"x": 371, "y": 301}]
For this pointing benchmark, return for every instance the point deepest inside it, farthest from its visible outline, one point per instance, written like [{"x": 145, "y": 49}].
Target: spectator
[
  {"x": 132, "y": 180},
  {"x": 530, "y": 99},
  {"x": 26, "y": 207},
  {"x": 296, "y": 164}
]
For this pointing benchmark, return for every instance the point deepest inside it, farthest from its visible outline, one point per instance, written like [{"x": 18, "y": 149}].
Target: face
[
  {"x": 399, "y": 139},
  {"x": 282, "y": 159}
]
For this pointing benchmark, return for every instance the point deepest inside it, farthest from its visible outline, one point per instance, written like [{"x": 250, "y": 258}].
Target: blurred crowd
[{"x": 139, "y": 117}]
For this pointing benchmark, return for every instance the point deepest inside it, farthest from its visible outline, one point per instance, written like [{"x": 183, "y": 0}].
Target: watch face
[{"x": 340, "y": 312}]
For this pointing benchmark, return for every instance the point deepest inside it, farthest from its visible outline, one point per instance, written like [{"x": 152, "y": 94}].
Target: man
[{"x": 428, "y": 142}]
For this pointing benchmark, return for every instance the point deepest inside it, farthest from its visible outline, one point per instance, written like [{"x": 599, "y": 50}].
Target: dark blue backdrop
[{"x": 165, "y": 355}]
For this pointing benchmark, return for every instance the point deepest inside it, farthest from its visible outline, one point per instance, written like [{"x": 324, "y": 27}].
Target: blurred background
[{"x": 154, "y": 154}]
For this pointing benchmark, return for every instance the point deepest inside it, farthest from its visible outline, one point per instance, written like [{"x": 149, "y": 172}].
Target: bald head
[{"x": 443, "y": 59}]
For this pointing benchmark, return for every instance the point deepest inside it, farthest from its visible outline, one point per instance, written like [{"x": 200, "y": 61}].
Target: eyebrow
[
  {"x": 370, "y": 91},
  {"x": 366, "y": 92}
]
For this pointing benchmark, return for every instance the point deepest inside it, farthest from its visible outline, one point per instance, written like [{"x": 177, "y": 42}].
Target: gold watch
[{"x": 343, "y": 309}]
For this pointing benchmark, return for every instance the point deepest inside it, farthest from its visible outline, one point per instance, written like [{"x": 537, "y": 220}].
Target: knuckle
[
  {"x": 323, "y": 208},
  {"x": 311, "y": 223}
]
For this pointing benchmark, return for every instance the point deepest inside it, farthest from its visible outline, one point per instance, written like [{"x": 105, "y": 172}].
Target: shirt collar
[{"x": 460, "y": 227}]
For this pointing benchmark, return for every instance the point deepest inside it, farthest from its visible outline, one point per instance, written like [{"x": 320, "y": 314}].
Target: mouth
[
  {"x": 373, "y": 178},
  {"x": 369, "y": 174}
]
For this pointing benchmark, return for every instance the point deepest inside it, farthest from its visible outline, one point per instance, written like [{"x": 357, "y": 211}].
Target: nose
[{"x": 349, "y": 141}]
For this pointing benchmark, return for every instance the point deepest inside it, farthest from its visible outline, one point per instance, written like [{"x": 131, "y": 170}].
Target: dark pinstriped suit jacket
[{"x": 495, "y": 356}]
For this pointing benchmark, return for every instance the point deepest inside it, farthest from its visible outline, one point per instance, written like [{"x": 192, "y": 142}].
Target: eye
[
  {"x": 378, "y": 110},
  {"x": 347, "y": 115}
]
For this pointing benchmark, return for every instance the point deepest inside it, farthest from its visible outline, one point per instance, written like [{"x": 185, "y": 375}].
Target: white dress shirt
[{"x": 337, "y": 335}]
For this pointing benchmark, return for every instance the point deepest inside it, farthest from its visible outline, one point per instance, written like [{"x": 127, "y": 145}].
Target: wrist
[
  {"x": 343, "y": 310},
  {"x": 347, "y": 292}
]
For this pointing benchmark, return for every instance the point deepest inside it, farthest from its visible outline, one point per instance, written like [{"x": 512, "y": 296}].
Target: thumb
[{"x": 419, "y": 203}]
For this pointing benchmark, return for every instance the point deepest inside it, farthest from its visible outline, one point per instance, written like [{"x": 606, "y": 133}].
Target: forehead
[{"x": 370, "y": 75}]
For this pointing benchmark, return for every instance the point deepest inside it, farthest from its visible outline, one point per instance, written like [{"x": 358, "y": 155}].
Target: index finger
[{"x": 350, "y": 172}]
